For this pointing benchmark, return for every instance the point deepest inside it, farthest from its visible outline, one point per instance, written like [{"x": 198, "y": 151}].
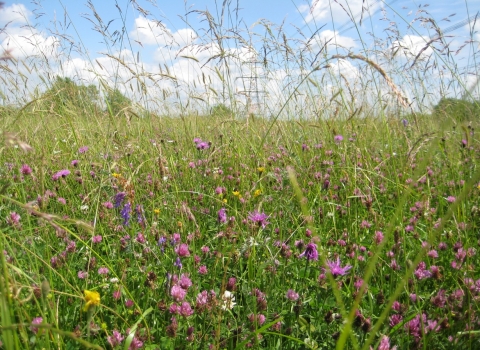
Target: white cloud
[
  {"x": 21, "y": 45},
  {"x": 339, "y": 11},
  {"x": 21, "y": 40},
  {"x": 14, "y": 14},
  {"x": 346, "y": 68},
  {"x": 410, "y": 46},
  {"x": 149, "y": 32},
  {"x": 332, "y": 38}
]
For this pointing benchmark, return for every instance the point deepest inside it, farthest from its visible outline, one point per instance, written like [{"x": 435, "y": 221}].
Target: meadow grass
[
  {"x": 342, "y": 219},
  {"x": 164, "y": 231}
]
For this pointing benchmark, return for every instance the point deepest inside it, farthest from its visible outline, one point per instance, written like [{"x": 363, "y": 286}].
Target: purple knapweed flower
[
  {"x": 182, "y": 250},
  {"x": 83, "y": 149},
  {"x": 62, "y": 173},
  {"x": 25, "y": 169},
  {"x": 178, "y": 293},
  {"x": 185, "y": 282},
  {"x": 14, "y": 219},
  {"x": 185, "y": 309},
  {"x": 385, "y": 344},
  {"x": 310, "y": 252},
  {"x": 451, "y": 199},
  {"x": 103, "y": 271},
  {"x": 421, "y": 272},
  {"x": 292, "y": 295},
  {"x": 338, "y": 138},
  {"x": 115, "y": 339},
  {"x": 35, "y": 322},
  {"x": 336, "y": 269},
  {"x": 259, "y": 218}
]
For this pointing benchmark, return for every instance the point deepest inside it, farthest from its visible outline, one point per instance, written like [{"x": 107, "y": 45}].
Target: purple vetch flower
[
  {"x": 178, "y": 263},
  {"x": 222, "y": 216},
  {"x": 119, "y": 198},
  {"x": 140, "y": 216},
  {"x": 405, "y": 122},
  {"x": 259, "y": 218},
  {"x": 62, "y": 173},
  {"x": 310, "y": 252},
  {"x": 336, "y": 269},
  {"x": 125, "y": 213}
]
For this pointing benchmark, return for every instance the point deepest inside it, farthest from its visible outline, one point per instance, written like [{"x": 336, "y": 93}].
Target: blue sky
[{"x": 161, "y": 32}]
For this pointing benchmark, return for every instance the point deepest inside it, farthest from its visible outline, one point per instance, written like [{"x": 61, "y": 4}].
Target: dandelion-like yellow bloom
[
  {"x": 92, "y": 298},
  {"x": 257, "y": 193},
  {"x": 236, "y": 194},
  {"x": 260, "y": 169},
  {"x": 116, "y": 175},
  {"x": 224, "y": 200},
  {"x": 156, "y": 211}
]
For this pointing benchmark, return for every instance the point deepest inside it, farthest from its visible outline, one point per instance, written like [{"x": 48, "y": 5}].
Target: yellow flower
[
  {"x": 92, "y": 298},
  {"x": 260, "y": 169},
  {"x": 156, "y": 211},
  {"x": 224, "y": 200},
  {"x": 257, "y": 193},
  {"x": 116, "y": 175},
  {"x": 236, "y": 194}
]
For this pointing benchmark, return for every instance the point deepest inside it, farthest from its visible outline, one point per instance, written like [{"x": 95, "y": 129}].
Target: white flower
[{"x": 228, "y": 300}]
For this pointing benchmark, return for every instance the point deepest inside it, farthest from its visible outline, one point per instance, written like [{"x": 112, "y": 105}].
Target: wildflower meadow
[{"x": 323, "y": 210}]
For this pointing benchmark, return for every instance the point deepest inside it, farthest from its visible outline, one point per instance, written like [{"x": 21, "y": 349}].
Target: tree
[
  {"x": 65, "y": 96},
  {"x": 117, "y": 102},
  {"x": 456, "y": 109}
]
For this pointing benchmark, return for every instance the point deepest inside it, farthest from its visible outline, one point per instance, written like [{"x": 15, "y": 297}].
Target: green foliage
[
  {"x": 65, "y": 95},
  {"x": 458, "y": 110},
  {"x": 117, "y": 102},
  {"x": 222, "y": 111}
]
